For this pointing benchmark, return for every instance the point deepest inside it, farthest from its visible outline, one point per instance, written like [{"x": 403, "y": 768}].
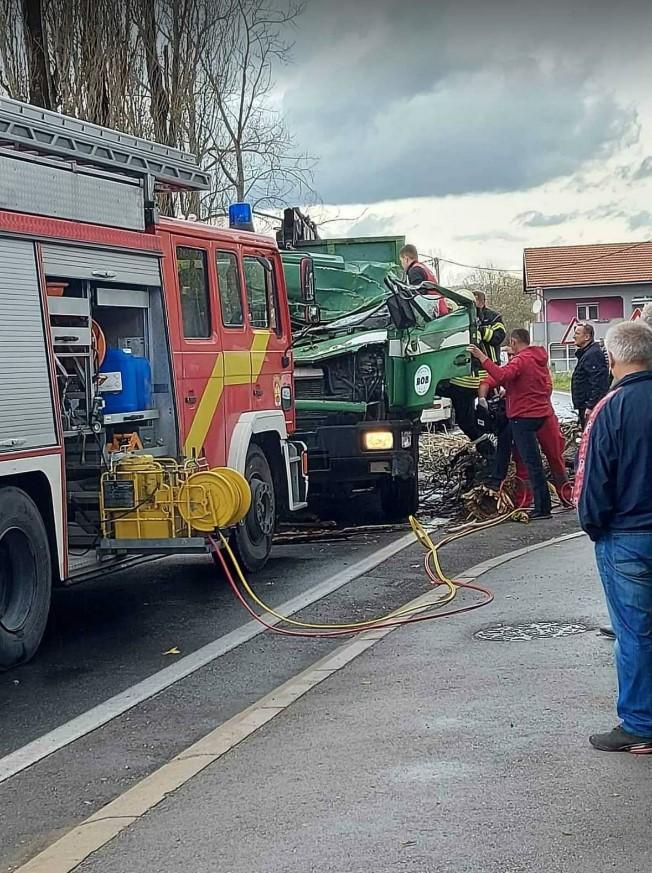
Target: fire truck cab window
[
  {"x": 193, "y": 288},
  {"x": 260, "y": 294},
  {"x": 228, "y": 280}
]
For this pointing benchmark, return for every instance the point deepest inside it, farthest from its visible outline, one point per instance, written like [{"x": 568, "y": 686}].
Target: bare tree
[
  {"x": 36, "y": 50},
  {"x": 250, "y": 148},
  {"x": 14, "y": 73},
  {"x": 193, "y": 74},
  {"x": 95, "y": 63},
  {"x": 504, "y": 294}
]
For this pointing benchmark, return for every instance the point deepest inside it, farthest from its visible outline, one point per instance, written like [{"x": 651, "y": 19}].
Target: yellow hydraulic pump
[{"x": 145, "y": 498}]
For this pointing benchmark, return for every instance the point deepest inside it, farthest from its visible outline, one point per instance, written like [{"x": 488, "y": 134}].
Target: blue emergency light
[{"x": 241, "y": 217}]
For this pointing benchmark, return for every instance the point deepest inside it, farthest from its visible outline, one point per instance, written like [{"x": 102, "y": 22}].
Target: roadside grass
[{"x": 561, "y": 381}]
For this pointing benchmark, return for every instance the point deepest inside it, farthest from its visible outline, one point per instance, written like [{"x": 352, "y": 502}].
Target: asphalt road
[
  {"x": 108, "y": 635},
  {"x": 440, "y": 748},
  {"x": 561, "y": 401},
  {"x": 105, "y": 636}
]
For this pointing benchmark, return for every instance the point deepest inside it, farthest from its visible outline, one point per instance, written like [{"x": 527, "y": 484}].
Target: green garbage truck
[{"x": 370, "y": 355}]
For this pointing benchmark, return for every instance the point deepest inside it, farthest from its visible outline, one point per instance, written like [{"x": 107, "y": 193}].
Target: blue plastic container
[
  {"x": 126, "y": 398},
  {"x": 143, "y": 382}
]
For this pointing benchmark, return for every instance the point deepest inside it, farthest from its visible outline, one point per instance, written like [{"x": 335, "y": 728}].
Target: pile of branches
[
  {"x": 453, "y": 475},
  {"x": 451, "y": 471},
  {"x": 571, "y": 432}
]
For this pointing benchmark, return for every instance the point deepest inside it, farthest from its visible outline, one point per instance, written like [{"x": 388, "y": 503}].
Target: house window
[{"x": 588, "y": 312}]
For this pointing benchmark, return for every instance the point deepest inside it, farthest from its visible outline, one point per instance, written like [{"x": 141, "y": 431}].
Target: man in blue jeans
[{"x": 613, "y": 492}]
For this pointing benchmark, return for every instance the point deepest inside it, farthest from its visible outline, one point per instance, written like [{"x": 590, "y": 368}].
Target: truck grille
[{"x": 309, "y": 389}]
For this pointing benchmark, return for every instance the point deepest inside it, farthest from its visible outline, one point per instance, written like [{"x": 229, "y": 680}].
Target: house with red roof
[{"x": 600, "y": 284}]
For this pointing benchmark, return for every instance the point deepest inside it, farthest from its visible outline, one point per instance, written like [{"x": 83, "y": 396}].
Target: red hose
[{"x": 353, "y": 631}]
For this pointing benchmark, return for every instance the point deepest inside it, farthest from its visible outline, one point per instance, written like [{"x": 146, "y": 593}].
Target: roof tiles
[{"x": 599, "y": 264}]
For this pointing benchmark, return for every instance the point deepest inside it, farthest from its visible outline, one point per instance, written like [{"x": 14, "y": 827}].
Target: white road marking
[
  {"x": 99, "y": 715},
  {"x": 95, "y": 832}
]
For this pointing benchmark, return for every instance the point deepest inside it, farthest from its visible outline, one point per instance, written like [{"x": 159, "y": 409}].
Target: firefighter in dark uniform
[{"x": 463, "y": 390}]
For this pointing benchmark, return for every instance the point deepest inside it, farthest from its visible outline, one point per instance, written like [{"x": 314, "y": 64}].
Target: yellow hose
[{"x": 368, "y": 623}]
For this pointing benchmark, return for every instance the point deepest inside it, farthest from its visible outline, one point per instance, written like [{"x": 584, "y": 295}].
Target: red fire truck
[{"x": 125, "y": 335}]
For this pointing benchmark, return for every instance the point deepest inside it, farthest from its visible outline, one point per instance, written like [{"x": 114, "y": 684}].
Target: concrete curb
[{"x": 95, "y": 832}]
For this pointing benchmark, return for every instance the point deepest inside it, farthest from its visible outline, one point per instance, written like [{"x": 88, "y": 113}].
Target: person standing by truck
[
  {"x": 491, "y": 330},
  {"x": 463, "y": 390},
  {"x": 612, "y": 493},
  {"x": 528, "y": 406},
  {"x": 590, "y": 379},
  {"x": 416, "y": 273}
]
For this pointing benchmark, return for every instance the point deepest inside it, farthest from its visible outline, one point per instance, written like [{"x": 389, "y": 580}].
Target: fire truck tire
[
  {"x": 399, "y": 498},
  {"x": 252, "y": 538},
  {"x": 25, "y": 577}
]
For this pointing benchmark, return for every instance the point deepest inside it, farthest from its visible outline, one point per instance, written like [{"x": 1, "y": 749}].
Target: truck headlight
[
  {"x": 378, "y": 440},
  {"x": 406, "y": 439}
]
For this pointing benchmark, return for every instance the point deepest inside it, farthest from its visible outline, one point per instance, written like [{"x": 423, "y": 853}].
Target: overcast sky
[{"x": 477, "y": 129}]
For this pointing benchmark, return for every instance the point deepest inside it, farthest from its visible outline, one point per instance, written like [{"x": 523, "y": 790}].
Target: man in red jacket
[{"x": 528, "y": 385}]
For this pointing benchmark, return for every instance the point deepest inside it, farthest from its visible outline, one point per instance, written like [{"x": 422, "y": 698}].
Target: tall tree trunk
[
  {"x": 160, "y": 103},
  {"x": 159, "y": 98},
  {"x": 37, "y": 60}
]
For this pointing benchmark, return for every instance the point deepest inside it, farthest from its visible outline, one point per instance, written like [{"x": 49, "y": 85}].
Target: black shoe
[
  {"x": 538, "y": 515},
  {"x": 618, "y": 740},
  {"x": 608, "y": 632}
]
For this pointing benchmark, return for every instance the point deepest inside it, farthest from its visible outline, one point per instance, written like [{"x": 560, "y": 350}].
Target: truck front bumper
[{"x": 339, "y": 460}]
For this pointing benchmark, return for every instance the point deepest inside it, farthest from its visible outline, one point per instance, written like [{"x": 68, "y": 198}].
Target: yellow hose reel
[
  {"x": 146, "y": 498},
  {"x": 215, "y": 498}
]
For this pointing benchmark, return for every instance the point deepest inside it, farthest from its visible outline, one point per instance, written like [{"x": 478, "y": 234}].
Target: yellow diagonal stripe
[
  {"x": 258, "y": 352},
  {"x": 231, "y": 368}
]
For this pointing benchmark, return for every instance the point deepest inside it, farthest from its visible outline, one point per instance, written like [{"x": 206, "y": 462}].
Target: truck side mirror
[
  {"x": 307, "y": 280},
  {"x": 312, "y": 313}
]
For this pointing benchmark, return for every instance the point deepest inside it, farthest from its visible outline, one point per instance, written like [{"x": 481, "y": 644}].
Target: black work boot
[
  {"x": 539, "y": 514},
  {"x": 618, "y": 740},
  {"x": 608, "y": 632}
]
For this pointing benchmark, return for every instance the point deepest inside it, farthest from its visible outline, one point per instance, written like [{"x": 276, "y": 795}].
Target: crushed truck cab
[{"x": 364, "y": 374}]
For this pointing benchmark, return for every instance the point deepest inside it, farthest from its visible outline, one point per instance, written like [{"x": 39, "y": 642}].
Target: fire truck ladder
[
  {"x": 66, "y": 168},
  {"x": 29, "y": 128}
]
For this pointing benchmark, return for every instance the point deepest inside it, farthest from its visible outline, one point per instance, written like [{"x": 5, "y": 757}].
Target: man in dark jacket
[
  {"x": 528, "y": 385},
  {"x": 612, "y": 491},
  {"x": 590, "y": 380}
]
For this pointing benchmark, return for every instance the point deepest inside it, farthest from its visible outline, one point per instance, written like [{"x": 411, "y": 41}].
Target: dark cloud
[
  {"x": 606, "y": 211},
  {"x": 540, "y": 219},
  {"x": 644, "y": 170},
  {"x": 641, "y": 219},
  {"x": 449, "y": 98}
]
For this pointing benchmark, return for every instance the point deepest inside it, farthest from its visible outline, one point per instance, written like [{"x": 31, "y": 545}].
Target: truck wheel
[
  {"x": 252, "y": 538},
  {"x": 25, "y": 577},
  {"x": 399, "y": 498}
]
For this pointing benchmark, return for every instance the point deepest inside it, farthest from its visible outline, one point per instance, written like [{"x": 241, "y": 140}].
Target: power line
[
  {"x": 619, "y": 251},
  {"x": 476, "y": 266}
]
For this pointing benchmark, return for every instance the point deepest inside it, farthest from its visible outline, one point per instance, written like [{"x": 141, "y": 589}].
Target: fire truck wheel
[
  {"x": 399, "y": 498},
  {"x": 25, "y": 577},
  {"x": 252, "y": 538}
]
